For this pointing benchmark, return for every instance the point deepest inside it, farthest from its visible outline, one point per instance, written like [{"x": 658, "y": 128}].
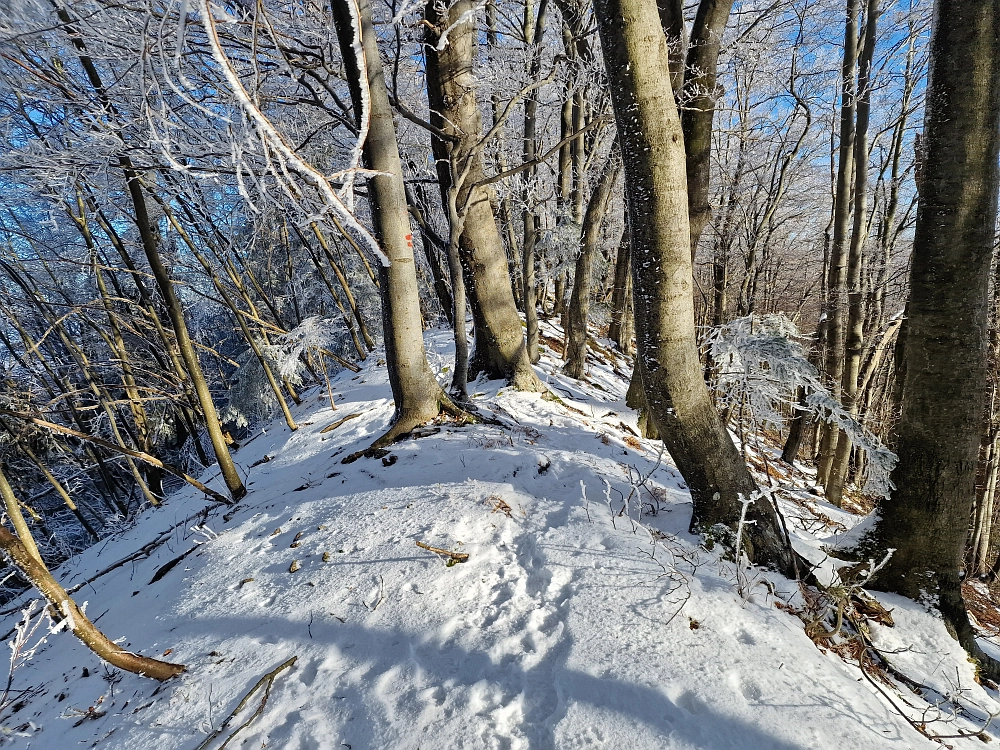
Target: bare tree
[
  {"x": 649, "y": 129},
  {"x": 925, "y": 521}
]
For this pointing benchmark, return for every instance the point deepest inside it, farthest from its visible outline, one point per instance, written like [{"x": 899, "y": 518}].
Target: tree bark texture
[
  {"x": 500, "y": 350},
  {"x": 926, "y": 519},
  {"x": 649, "y": 129},
  {"x": 700, "y": 93},
  {"x": 415, "y": 391},
  {"x": 835, "y": 311},
  {"x": 590, "y": 234}
]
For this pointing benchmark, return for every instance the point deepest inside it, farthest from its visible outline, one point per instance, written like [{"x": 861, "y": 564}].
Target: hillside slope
[{"x": 574, "y": 623}]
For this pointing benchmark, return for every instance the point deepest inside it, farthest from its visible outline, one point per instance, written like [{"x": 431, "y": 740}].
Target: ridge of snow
[{"x": 572, "y": 624}]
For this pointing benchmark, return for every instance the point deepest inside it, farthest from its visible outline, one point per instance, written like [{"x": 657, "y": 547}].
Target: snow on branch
[
  {"x": 760, "y": 365},
  {"x": 284, "y": 155}
]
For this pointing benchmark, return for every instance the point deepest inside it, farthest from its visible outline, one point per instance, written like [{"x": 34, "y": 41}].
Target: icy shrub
[
  {"x": 759, "y": 366},
  {"x": 251, "y": 399}
]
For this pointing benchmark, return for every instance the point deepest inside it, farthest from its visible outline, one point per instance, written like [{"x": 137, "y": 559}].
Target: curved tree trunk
[
  {"x": 649, "y": 130},
  {"x": 926, "y": 519},
  {"x": 79, "y": 624},
  {"x": 22, "y": 553}
]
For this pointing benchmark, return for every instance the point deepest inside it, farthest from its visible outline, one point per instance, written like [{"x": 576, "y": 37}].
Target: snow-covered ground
[{"x": 573, "y": 623}]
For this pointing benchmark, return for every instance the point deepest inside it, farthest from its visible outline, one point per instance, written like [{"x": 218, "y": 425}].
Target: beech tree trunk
[
  {"x": 854, "y": 339},
  {"x": 590, "y": 234},
  {"x": 533, "y": 30},
  {"x": 649, "y": 130},
  {"x": 835, "y": 311},
  {"x": 700, "y": 93},
  {"x": 500, "y": 350},
  {"x": 943, "y": 394},
  {"x": 620, "y": 330},
  {"x": 415, "y": 391}
]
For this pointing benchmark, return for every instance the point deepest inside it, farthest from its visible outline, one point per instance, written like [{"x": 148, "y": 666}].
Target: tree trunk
[
  {"x": 451, "y": 91},
  {"x": 649, "y": 130},
  {"x": 184, "y": 344},
  {"x": 621, "y": 298},
  {"x": 671, "y": 14},
  {"x": 943, "y": 394},
  {"x": 417, "y": 396},
  {"x": 834, "y": 359},
  {"x": 79, "y": 624},
  {"x": 533, "y": 30},
  {"x": 579, "y": 305},
  {"x": 700, "y": 93},
  {"x": 855, "y": 333},
  {"x": 163, "y": 281}
]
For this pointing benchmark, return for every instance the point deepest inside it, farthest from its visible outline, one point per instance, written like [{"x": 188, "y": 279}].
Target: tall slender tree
[
  {"x": 457, "y": 144},
  {"x": 415, "y": 391}
]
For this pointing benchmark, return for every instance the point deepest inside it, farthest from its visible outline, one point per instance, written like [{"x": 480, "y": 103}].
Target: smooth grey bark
[
  {"x": 590, "y": 234},
  {"x": 649, "y": 130},
  {"x": 451, "y": 92},
  {"x": 620, "y": 330},
  {"x": 837, "y": 276},
  {"x": 534, "y": 28},
  {"x": 926, "y": 519},
  {"x": 417, "y": 396},
  {"x": 854, "y": 332},
  {"x": 699, "y": 97}
]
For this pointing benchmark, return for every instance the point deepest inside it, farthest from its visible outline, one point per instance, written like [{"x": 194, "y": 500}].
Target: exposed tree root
[{"x": 404, "y": 425}]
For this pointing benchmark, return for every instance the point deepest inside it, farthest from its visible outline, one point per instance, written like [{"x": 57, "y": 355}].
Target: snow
[{"x": 572, "y": 624}]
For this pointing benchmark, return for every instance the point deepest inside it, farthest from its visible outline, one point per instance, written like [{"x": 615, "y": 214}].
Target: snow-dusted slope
[{"x": 571, "y": 625}]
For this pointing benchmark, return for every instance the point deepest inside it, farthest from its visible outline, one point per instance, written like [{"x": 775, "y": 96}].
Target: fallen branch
[
  {"x": 76, "y": 621},
  {"x": 335, "y": 425},
  {"x": 456, "y": 556},
  {"x": 142, "y": 553},
  {"x": 266, "y": 682}
]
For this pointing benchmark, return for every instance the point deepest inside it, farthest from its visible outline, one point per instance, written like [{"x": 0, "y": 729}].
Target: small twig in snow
[
  {"x": 266, "y": 682},
  {"x": 458, "y": 557}
]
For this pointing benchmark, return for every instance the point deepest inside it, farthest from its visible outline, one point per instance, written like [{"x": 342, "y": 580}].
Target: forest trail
[{"x": 574, "y": 623}]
